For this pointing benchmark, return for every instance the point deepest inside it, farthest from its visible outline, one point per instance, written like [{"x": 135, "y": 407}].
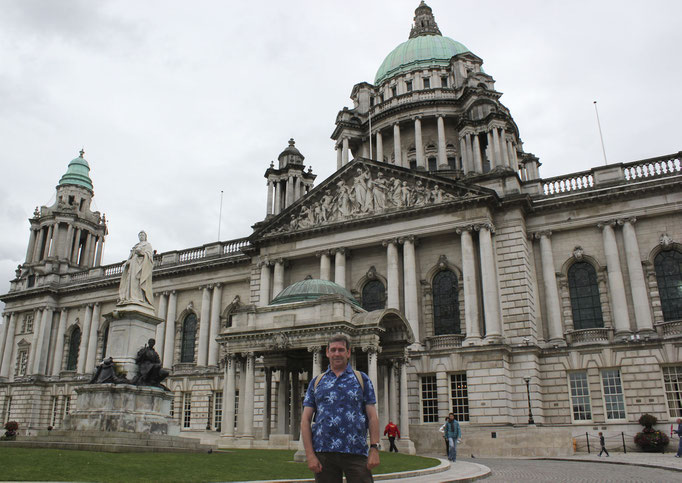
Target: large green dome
[
  {"x": 311, "y": 289},
  {"x": 77, "y": 173},
  {"x": 419, "y": 53}
]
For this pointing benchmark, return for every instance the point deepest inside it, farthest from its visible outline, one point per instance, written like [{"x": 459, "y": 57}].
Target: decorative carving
[
  {"x": 190, "y": 306},
  {"x": 372, "y": 273},
  {"x": 442, "y": 262},
  {"x": 279, "y": 341},
  {"x": 578, "y": 253},
  {"x": 666, "y": 241}
]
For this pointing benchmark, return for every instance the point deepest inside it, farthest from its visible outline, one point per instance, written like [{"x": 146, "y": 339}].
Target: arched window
[
  {"x": 373, "y": 295},
  {"x": 189, "y": 335},
  {"x": 74, "y": 345},
  {"x": 668, "y": 266},
  {"x": 584, "y": 290},
  {"x": 445, "y": 304}
]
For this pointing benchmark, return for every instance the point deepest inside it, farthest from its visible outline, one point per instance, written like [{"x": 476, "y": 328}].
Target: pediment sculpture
[{"x": 365, "y": 194}]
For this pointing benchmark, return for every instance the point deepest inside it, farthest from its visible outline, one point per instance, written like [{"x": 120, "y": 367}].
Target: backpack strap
[
  {"x": 358, "y": 375},
  {"x": 318, "y": 378}
]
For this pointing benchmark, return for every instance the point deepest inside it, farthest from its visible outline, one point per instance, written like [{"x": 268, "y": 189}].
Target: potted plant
[
  {"x": 10, "y": 431},
  {"x": 650, "y": 439}
]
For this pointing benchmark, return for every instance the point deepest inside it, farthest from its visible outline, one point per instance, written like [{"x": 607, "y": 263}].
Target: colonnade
[
  {"x": 619, "y": 305},
  {"x": 284, "y": 190},
  {"x": 47, "y": 242},
  {"x": 209, "y": 326}
]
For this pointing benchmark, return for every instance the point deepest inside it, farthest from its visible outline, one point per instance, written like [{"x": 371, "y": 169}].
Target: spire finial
[
  {"x": 82, "y": 151},
  {"x": 291, "y": 141},
  {"x": 424, "y": 22}
]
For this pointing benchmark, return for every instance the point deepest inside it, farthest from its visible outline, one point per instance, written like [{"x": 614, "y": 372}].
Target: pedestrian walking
[
  {"x": 342, "y": 400},
  {"x": 391, "y": 430},
  {"x": 679, "y": 435},
  {"x": 442, "y": 430},
  {"x": 603, "y": 444},
  {"x": 453, "y": 433}
]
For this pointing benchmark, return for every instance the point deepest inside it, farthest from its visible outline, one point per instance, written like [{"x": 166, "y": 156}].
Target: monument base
[{"x": 122, "y": 408}]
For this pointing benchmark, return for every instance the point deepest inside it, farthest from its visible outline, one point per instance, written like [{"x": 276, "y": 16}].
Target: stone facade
[{"x": 493, "y": 291}]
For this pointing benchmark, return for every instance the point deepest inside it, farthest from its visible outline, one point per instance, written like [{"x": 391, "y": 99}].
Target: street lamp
[{"x": 530, "y": 410}]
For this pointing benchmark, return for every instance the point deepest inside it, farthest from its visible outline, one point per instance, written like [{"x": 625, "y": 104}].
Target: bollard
[
  {"x": 587, "y": 438},
  {"x": 622, "y": 435}
]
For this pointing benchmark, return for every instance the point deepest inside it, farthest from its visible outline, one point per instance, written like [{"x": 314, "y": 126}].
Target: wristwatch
[{"x": 374, "y": 445}]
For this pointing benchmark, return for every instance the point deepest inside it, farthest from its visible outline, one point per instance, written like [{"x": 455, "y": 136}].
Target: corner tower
[
  {"x": 289, "y": 181},
  {"x": 432, "y": 108},
  {"x": 67, "y": 236}
]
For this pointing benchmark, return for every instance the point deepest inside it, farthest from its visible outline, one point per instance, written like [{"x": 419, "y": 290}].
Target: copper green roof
[
  {"x": 419, "y": 53},
  {"x": 78, "y": 173},
  {"x": 311, "y": 289}
]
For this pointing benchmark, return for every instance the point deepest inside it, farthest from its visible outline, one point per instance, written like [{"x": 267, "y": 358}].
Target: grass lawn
[{"x": 234, "y": 465}]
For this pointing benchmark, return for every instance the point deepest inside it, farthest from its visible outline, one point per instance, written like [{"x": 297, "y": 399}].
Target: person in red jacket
[{"x": 392, "y": 431}]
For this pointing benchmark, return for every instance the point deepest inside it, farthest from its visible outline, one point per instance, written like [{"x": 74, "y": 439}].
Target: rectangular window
[
  {"x": 27, "y": 324},
  {"x": 172, "y": 408},
  {"x": 186, "y": 409},
  {"x": 443, "y": 81},
  {"x": 7, "y": 409},
  {"x": 236, "y": 407},
  {"x": 459, "y": 396},
  {"x": 427, "y": 83},
  {"x": 672, "y": 379},
  {"x": 408, "y": 85},
  {"x": 613, "y": 394},
  {"x": 22, "y": 363},
  {"x": 67, "y": 405},
  {"x": 580, "y": 396},
  {"x": 53, "y": 418},
  {"x": 217, "y": 410},
  {"x": 371, "y": 101},
  {"x": 429, "y": 399},
  {"x": 394, "y": 91}
]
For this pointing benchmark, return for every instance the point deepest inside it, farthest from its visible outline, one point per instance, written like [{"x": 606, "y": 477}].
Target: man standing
[
  {"x": 392, "y": 431},
  {"x": 679, "y": 435},
  {"x": 343, "y": 403},
  {"x": 452, "y": 434}
]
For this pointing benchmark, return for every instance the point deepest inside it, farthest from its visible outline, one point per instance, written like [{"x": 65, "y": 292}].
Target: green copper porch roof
[
  {"x": 311, "y": 289},
  {"x": 77, "y": 173},
  {"x": 419, "y": 53}
]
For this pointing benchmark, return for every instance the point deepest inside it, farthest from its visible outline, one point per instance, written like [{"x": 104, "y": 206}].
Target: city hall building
[{"x": 533, "y": 308}]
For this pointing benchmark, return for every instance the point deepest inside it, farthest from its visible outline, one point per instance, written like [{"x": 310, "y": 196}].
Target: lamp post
[{"x": 530, "y": 410}]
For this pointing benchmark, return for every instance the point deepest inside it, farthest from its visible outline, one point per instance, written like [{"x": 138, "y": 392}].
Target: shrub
[
  {"x": 10, "y": 430},
  {"x": 650, "y": 439}
]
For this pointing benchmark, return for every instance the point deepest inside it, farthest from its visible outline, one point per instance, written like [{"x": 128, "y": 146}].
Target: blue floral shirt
[{"x": 340, "y": 420}]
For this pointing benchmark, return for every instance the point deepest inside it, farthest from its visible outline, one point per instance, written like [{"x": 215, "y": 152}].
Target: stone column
[
  {"x": 59, "y": 343},
  {"x": 264, "y": 283},
  {"x": 393, "y": 392},
  {"x": 372, "y": 353},
  {"x": 100, "y": 248},
  {"x": 478, "y": 162},
  {"x": 442, "y": 157},
  {"x": 248, "y": 396},
  {"x": 85, "y": 259},
  {"x": 640, "y": 297},
  {"x": 404, "y": 413},
  {"x": 464, "y": 154},
  {"x": 282, "y": 398},
  {"x": 295, "y": 411},
  {"x": 278, "y": 282},
  {"x": 31, "y": 246},
  {"x": 85, "y": 337},
  {"x": 491, "y": 151},
  {"x": 552, "y": 302},
  {"x": 397, "y": 151},
  {"x": 169, "y": 341},
  {"x": 340, "y": 267},
  {"x": 385, "y": 411},
  {"x": 339, "y": 157},
  {"x": 410, "y": 290},
  {"x": 496, "y": 146},
  {"x": 92, "y": 341},
  {"x": 289, "y": 192},
  {"x": 3, "y": 337},
  {"x": 74, "y": 246},
  {"x": 491, "y": 307},
  {"x": 419, "y": 145},
  {"x": 380, "y": 147},
  {"x": 48, "y": 242},
  {"x": 37, "y": 319},
  {"x": 161, "y": 328},
  {"x": 393, "y": 275},
  {"x": 278, "y": 197},
  {"x": 268, "y": 208},
  {"x": 345, "y": 152},
  {"x": 8, "y": 347},
  {"x": 325, "y": 266},
  {"x": 443, "y": 393},
  {"x": 66, "y": 249},
  {"x": 317, "y": 361},
  {"x": 267, "y": 403},
  {"x": 229, "y": 389},
  {"x": 54, "y": 246},
  {"x": 204, "y": 326},
  {"x": 471, "y": 315},
  {"x": 40, "y": 363},
  {"x": 503, "y": 147},
  {"x": 213, "y": 348},
  {"x": 619, "y": 304}
]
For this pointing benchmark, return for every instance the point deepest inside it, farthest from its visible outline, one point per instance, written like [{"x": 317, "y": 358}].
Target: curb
[{"x": 613, "y": 462}]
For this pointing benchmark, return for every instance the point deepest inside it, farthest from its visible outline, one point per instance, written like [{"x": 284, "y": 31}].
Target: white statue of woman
[{"x": 136, "y": 279}]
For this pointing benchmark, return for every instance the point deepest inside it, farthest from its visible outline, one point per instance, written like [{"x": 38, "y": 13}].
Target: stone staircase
[{"x": 110, "y": 442}]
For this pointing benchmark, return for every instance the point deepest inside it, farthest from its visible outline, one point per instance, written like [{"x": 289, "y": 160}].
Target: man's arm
[
  {"x": 373, "y": 420},
  {"x": 307, "y": 435}
]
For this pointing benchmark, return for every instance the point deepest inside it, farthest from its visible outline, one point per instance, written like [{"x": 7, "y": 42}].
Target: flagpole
[
  {"x": 600, "y": 134},
  {"x": 370, "y": 133},
  {"x": 220, "y": 216}
]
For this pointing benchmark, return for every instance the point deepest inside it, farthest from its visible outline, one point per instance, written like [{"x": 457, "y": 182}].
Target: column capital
[
  {"x": 487, "y": 226},
  {"x": 264, "y": 263},
  {"x": 604, "y": 224},
  {"x": 248, "y": 355},
  {"x": 319, "y": 254},
  {"x": 406, "y": 238},
  {"x": 217, "y": 285},
  {"x": 342, "y": 250},
  {"x": 279, "y": 261},
  {"x": 314, "y": 348},
  {"x": 417, "y": 118},
  {"x": 631, "y": 220},
  {"x": 545, "y": 233},
  {"x": 371, "y": 348},
  {"x": 390, "y": 241},
  {"x": 461, "y": 229}
]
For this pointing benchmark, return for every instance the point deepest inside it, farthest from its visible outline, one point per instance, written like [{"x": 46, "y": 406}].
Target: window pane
[
  {"x": 445, "y": 304},
  {"x": 459, "y": 396},
  {"x": 584, "y": 290},
  {"x": 672, "y": 379},
  {"x": 187, "y": 410},
  {"x": 429, "y": 399},
  {"x": 613, "y": 394},
  {"x": 74, "y": 346},
  {"x": 580, "y": 396},
  {"x": 373, "y": 296},
  {"x": 189, "y": 331},
  {"x": 668, "y": 266}
]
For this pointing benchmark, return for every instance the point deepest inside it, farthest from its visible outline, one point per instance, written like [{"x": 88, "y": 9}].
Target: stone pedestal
[
  {"x": 122, "y": 408},
  {"x": 129, "y": 330}
]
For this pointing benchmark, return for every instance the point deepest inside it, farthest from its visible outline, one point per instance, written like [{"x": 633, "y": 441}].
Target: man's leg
[
  {"x": 451, "y": 448},
  {"x": 679, "y": 447},
  {"x": 454, "y": 449},
  {"x": 355, "y": 468},
  {"x": 331, "y": 470},
  {"x": 447, "y": 448}
]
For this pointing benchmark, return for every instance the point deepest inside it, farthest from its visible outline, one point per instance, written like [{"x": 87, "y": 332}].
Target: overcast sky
[{"x": 175, "y": 101}]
